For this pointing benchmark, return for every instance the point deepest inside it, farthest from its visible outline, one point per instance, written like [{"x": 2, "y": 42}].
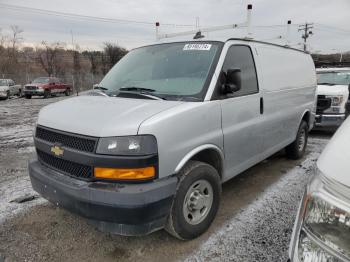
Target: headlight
[
  {"x": 329, "y": 223},
  {"x": 336, "y": 100},
  {"x": 127, "y": 145},
  {"x": 325, "y": 231}
]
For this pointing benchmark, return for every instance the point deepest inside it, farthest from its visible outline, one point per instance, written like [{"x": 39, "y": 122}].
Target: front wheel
[
  {"x": 296, "y": 149},
  {"x": 47, "y": 93},
  {"x": 196, "y": 202},
  {"x": 28, "y": 96}
]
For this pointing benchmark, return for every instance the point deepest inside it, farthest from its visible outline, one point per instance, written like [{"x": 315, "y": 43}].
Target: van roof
[{"x": 222, "y": 40}]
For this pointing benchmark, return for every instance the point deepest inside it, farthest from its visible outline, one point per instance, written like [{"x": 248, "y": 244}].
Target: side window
[
  {"x": 11, "y": 83},
  {"x": 241, "y": 57}
]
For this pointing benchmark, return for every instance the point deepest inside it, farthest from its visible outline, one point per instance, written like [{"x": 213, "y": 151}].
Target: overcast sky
[{"x": 331, "y": 18}]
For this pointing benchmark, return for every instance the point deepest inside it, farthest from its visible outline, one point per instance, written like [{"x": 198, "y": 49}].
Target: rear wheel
[
  {"x": 67, "y": 92},
  {"x": 296, "y": 149},
  {"x": 28, "y": 96},
  {"x": 196, "y": 202}
]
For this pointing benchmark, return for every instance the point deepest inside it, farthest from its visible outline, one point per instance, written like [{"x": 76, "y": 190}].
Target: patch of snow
[{"x": 10, "y": 190}]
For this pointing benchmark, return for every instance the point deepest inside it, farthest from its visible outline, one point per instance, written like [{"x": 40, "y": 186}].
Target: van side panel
[
  {"x": 179, "y": 131},
  {"x": 288, "y": 83}
]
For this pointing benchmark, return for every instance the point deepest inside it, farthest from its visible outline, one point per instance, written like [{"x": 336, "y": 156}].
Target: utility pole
[{"x": 307, "y": 33}]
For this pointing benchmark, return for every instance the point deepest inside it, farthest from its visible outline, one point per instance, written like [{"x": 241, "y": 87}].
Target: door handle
[{"x": 261, "y": 105}]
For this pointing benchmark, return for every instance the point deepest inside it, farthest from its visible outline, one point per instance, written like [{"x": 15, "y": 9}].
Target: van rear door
[{"x": 240, "y": 114}]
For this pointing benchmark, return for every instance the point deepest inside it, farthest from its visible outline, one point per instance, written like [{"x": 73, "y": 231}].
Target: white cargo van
[
  {"x": 332, "y": 97},
  {"x": 173, "y": 122}
]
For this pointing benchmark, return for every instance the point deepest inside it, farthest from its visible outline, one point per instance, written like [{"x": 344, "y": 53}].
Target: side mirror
[{"x": 233, "y": 81}]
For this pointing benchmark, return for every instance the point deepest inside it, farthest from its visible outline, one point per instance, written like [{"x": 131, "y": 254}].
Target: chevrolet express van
[
  {"x": 322, "y": 227},
  {"x": 332, "y": 97},
  {"x": 170, "y": 123}
]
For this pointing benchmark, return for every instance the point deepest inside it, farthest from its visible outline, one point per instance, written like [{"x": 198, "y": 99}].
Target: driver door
[{"x": 241, "y": 113}]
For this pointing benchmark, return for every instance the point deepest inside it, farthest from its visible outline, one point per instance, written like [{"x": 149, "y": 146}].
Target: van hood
[
  {"x": 101, "y": 116},
  {"x": 332, "y": 90},
  {"x": 334, "y": 160}
]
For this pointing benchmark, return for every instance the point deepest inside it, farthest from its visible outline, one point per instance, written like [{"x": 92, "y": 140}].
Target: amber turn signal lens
[{"x": 125, "y": 173}]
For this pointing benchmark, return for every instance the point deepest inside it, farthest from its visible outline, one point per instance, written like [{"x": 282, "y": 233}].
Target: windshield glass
[
  {"x": 41, "y": 80},
  {"x": 3, "y": 82},
  {"x": 174, "y": 71},
  {"x": 334, "y": 78}
]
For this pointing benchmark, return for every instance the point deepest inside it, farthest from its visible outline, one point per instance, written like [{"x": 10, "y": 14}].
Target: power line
[
  {"x": 84, "y": 17},
  {"x": 333, "y": 28}
]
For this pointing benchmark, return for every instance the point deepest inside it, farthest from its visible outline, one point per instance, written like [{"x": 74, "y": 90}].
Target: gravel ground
[{"x": 254, "y": 222}]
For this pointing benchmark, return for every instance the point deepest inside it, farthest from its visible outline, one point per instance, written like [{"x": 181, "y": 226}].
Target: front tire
[
  {"x": 47, "y": 93},
  {"x": 196, "y": 201},
  {"x": 28, "y": 96},
  {"x": 296, "y": 149}
]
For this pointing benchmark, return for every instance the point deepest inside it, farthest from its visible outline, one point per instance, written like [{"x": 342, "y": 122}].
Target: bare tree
[
  {"x": 94, "y": 59},
  {"x": 49, "y": 57},
  {"x": 112, "y": 54},
  {"x": 16, "y": 37}
]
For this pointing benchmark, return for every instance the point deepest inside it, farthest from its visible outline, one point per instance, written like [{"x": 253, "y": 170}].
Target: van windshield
[
  {"x": 333, "y": 78},
  {"x": 174, "y": 71}
]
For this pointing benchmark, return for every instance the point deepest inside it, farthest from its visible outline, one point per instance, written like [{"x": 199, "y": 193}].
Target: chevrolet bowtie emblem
[{"x": 57, "y": 151}]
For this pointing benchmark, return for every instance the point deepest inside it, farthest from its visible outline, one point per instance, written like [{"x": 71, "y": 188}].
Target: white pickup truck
[
  {"x": 9, "y": 88},
  {"x": 332, "y": 97}
]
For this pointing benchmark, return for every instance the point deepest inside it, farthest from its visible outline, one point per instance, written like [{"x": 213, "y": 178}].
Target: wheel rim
[
  {"x": 302, "y": 139},
  {"x": 198, "y": 202}
]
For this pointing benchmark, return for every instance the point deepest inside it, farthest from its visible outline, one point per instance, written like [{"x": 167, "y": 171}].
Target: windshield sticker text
[{"x": 201, "y": 47}]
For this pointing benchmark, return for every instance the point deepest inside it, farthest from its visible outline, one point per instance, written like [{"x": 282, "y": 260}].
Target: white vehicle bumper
[
  {"x": 3, "y": 94},
  {"x": 329, "y": 120}
]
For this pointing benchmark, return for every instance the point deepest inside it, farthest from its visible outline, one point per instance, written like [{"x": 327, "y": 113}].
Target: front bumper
[
  {"x": 329, "y": 120},
  {"x": 34, "y": 92},
  {"x": 3, "y": 94},
  {"x": 126, "y": 209}
]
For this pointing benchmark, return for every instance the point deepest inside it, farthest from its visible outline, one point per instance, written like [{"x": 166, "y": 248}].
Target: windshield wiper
[
  {"x": 135, "y": 88},
  {"x": 329, "y": 84},
  {"x": 100, "y": 88},
  {"x": 142, "y": 91}
]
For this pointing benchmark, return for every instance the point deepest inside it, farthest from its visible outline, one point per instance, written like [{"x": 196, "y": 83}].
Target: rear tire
[
  {"x": 28, "y": 96},
  {"x": 196, "y": 201},
  {"x": 67, "y": 92},
  {"x": 296, "y": 149}
]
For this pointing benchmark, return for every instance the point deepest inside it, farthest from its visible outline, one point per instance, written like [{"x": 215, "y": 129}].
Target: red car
[{"x": 46, "y": 86}]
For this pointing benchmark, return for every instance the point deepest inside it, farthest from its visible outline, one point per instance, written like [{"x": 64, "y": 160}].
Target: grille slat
[
  {"x": 85, "y": 144},
  {"x": 65, "y": 166},
  {"x": 323, "y": 104}
]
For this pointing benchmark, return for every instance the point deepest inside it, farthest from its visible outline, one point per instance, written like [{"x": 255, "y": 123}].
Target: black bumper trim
[{"x": 118, "y": 208}]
